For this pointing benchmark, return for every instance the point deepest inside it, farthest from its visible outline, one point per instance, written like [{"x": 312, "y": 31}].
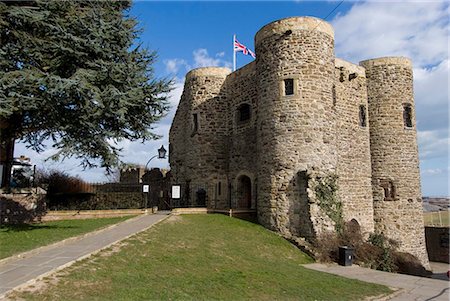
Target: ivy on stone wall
[{"x": 326, "y": 194}]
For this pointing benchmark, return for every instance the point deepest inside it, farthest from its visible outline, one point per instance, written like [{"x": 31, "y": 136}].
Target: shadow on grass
[{"x": 30, "y": 227}]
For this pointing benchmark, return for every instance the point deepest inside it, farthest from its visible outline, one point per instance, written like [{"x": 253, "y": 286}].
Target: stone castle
[{"x": 298, "y": 128}]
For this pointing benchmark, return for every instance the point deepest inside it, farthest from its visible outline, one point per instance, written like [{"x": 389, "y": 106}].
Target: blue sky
[{"x": 187, "y": 35}]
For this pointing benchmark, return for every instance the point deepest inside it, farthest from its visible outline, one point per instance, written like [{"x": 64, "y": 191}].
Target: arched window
[
  {"x": 244, "y": 192},
  {"x": 244, "y": 112},
  {"x": 407, "y": 115}
]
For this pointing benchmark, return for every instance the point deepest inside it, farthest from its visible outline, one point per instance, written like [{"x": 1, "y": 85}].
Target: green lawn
[
  {"x": 440, "y": 218},
  {"x": 20, "y": 238},
  {"x": 200, "y": 257}
]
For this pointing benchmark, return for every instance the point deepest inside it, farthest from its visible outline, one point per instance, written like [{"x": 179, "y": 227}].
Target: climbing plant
[{"x": 326, "y": 193}]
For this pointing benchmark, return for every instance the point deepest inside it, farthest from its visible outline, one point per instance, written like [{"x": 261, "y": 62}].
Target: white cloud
[
  {"x": 174, "y": 65},
  {"x": 432, "y": 171},
  {"x": 418, "y": 30},
  {"x": 202, "y": 59},
  {"x": 433, "y": 144},
  {"x": 432, "y": 79}
]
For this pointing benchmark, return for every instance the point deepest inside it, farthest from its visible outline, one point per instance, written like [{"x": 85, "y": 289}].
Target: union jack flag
[{"x": 241, "y": 47}]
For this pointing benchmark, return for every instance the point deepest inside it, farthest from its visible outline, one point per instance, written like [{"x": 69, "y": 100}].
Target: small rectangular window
[
  {"x": 219, "y": 188},
  {"x": 195, "y": 122},
  {"x": 362, "y": 116},
  {"x": 407, "y": 115},
  {"x": 244, "y": 112},
  {"x": 289, "y": 86}
]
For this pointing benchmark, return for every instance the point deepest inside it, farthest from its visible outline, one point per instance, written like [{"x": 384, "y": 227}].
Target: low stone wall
[
  {"x": 177, "y": 211},
  {"x": 21, "y": 208},
  {"x": 437, "y": 239},
  {"x": 85, "y": 214}
]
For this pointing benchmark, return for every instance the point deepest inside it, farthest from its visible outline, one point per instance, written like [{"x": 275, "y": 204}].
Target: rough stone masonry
[{"x": 303, "y": 138}]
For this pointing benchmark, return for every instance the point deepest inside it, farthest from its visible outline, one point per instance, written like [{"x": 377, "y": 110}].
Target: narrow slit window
[
  {"x": 333, "y": 93},
  {"x": 362, "y": 116},
  {"x": 289, "y": 86},
  {"x": 195, "y": 122},
  {"x": 219, "y": 188},
  {"x": 407, "y": 115}
]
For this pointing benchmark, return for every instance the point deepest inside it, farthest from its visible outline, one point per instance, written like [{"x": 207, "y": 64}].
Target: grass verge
[
  {"x": 20, "y": 238},
  {"x": 199, "y": 257},
  {"x": 438, "y": 219}
]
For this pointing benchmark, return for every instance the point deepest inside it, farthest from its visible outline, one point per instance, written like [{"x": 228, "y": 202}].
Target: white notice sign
[
  {"x": 145, "y": 188},
  {"x": 176, "y": 191}
]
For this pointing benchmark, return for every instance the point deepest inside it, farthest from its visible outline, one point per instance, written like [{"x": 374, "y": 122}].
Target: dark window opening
[
  {"x": 362, "y": 116},
  {"x": 244, "y": 112},
  {"x": 219, "y": 188},
  {"x": 407, "y": 115},
  {"x": 289, "y": 86},
  {"x": 195, "y": 121},
  {"x": 333, "y": 93},
  {"x": 389, "y": 190}
]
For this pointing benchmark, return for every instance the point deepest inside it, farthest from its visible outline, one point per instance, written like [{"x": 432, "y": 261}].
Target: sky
[{"x": 188, "y": 34}]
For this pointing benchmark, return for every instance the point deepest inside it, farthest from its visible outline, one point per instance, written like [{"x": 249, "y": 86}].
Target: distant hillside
[{"x": 431, "y": 204}]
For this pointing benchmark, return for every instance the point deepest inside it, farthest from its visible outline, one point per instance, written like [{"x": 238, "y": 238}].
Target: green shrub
[
  {"x": 326, "y": 194},
  {"x": 377, "y": 252}
]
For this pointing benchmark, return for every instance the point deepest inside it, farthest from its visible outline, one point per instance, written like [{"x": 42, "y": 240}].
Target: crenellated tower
[{"x": 398, "y": 211}]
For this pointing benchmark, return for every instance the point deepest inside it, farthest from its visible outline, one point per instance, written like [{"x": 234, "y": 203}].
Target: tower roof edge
[
  {"x": 208, "y": 71},
  {"x": 294, "y": 23},
  {"x": 387, "y": 60}
]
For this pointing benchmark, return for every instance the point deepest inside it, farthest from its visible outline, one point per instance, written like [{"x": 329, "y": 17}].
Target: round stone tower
[
  {"x": 204, "y": 127},
  {"x": 295, "y": 127},
  {"x": 397, "y": 197}
]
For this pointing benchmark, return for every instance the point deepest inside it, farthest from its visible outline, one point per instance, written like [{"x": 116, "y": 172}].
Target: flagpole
[{"x": 234, "y": 54}]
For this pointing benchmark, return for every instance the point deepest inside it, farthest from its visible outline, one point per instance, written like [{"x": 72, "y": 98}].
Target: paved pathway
[
  {"x": 412, "y": 288},
  {"x": 17, "y": 272}
]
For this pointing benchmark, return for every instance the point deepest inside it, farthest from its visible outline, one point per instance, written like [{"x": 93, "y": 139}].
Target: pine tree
[{"x": 71, "y": 74}]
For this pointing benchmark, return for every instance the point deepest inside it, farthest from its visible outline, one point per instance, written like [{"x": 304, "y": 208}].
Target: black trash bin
[{"x": 345, "y": 256}]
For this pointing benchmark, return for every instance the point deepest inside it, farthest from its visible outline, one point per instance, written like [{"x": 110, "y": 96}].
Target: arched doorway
[{"x": 244, "y": 192}]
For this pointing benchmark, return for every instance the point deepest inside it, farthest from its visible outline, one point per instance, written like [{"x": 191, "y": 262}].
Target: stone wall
[
  {"x": 241, "y": 86},
  {"x": 353, "y": 148},
  {"x": 394, "y": 154},
  {"x": 21, "y": 208}
]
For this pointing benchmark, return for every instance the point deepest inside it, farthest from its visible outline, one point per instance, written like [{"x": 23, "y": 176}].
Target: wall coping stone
[{"x": 352, "y": 68}]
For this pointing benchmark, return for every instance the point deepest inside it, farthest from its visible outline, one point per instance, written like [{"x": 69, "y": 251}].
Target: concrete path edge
[
  {"x": 40, "y": 277},
  {"x": 37, "y": 250}
]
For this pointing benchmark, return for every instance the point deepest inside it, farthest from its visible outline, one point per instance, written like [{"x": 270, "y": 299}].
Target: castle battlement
[{"x": 268, "y": 135}]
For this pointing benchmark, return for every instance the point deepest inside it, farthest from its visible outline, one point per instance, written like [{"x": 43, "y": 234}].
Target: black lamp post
[{"x": 161, "y": 155}]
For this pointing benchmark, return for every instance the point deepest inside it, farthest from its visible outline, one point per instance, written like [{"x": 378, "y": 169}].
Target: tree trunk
[{"x": 6, "y": 154}]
